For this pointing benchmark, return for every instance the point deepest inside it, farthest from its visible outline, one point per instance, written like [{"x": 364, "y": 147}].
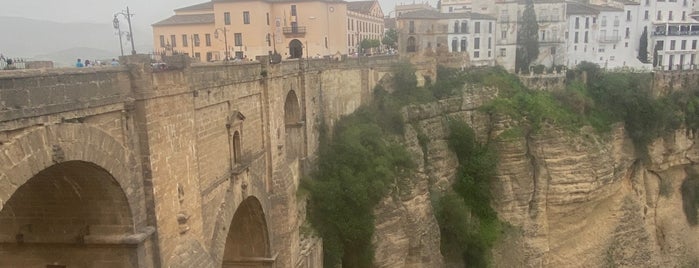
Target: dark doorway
[{"x": 295, "y": 49}]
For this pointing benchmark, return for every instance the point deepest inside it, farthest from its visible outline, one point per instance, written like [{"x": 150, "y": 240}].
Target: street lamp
[
  {"x": 129, "y": 35},
  {"x": 119, "y": 32},
  {"x": 225, "y": 39}
]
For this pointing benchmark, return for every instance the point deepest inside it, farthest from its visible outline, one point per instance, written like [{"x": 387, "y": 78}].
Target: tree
[
  {"x": 643, "y": 46},
  {"x": 527, "y": 38},
  {"x": 390, "y": 38}
]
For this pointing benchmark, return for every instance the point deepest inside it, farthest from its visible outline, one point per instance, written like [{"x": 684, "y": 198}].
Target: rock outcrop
[{"x": 572, "y": 199}]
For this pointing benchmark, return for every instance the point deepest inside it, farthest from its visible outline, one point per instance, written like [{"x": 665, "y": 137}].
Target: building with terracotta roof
[{"x": 216, "y": 29}]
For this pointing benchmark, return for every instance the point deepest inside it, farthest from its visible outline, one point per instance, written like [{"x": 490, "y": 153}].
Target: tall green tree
[
  {"x": 643, "y": 46},
  {"x": 527, "y": 38},
  {"x": 390, "y": 38}
]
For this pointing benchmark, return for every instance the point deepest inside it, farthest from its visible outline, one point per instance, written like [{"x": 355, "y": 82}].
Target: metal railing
[
  {"x": 12, "y": 64},
  {"x": 294, "y": 30},
  {"x": 609, "y": 39}
]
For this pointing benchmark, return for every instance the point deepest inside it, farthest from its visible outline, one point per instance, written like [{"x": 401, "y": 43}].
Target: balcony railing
[
  {"x": 294, "y": 30},
  {"x": 675, "y": 33},
  {"x": 609, "y": 39}
]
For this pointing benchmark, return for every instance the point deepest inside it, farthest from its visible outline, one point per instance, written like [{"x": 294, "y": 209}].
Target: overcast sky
[{"x": 146, "y": 12}]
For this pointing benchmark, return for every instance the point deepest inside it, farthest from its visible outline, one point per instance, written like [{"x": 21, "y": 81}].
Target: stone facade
[{"x": 195, "y": 166}]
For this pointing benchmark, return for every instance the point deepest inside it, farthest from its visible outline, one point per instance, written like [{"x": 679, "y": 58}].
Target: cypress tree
[
  {"x": 643, "y": 46},
  {"x": 527, "y": 38}
]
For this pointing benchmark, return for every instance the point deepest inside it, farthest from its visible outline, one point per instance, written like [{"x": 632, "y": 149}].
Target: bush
[
  {"x": 354, "y": 173},
  {"x": 468, "y": 224}
]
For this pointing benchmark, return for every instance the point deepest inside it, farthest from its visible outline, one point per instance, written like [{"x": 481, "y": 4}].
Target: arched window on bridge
[{"x": 235, "y": 134}]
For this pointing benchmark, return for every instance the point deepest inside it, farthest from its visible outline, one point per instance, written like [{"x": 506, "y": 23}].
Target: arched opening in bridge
[
  {"x": 295, "y": 49},
  {"x": 72, "y": 214},
  {"x": 247, "y": 244},
  {"x": 293, "y": 126}
]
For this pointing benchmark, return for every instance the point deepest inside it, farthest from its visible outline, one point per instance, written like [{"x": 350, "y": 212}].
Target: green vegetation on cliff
[
  {"x": 468, "y": 224},
  {"x": 357, "y": 166}
]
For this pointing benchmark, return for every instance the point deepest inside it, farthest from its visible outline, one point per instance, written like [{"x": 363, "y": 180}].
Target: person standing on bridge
[{"x": 79, "y": 64}]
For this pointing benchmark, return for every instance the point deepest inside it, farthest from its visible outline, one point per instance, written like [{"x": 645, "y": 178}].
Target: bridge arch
[
  {"x": 293, "y": 122},
  {"x": 75, "y": 186},
  {"x": 247, "y": 243}
]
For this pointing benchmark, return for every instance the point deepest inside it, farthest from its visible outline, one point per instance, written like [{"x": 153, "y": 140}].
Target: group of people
[{"x": 95, "y": 63}]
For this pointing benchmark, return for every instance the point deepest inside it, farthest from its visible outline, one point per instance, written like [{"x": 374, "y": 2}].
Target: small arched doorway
[
  {"x": 247, "y": 243},
  {"x": 71, "y": 214},
  {"x": 295, "y": 49}
]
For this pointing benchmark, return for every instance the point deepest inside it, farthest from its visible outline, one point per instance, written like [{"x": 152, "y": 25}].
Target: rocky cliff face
[{"x": 572, "y": 199}]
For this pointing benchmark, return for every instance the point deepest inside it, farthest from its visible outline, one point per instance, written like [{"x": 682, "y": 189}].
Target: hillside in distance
[{"x": 29, "y": 38}]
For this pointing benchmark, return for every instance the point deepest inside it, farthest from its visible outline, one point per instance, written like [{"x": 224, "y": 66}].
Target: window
[
  {"x": 587, "y": 23},
  {"x": 238, "y": 39},
  {"x": 267, "y": 18},
  {"x": 604, "y": 21},
  {"x": 669, "y": 16},
  {"x": 246, "y": 17},
  {"x": 575, "y": 39},
  {"x": 162, "y": 41},
  {"x": 293, "y": 10},
  {"x": 503, "y": 52},
  {"x": 647, "y": 2},
  {"x": 490, "y": 43},
  {"x": 684, "y": 15},
  {"x": 628, "y": 15},
  {"x": 411, "y": 44},
  {"x": 476, "y": 43},
  {"x": 173, "y": 40},
  {"x": 227, "y": 18},
  {"x": 503, "y": 34},
  {"x": 411, "y": 27},
  {"x": 456, "y": 26},
  {"x": 464, "y": 27},
  {"x": 628, "y": 33},
  {"x": 683, "y": 45},
  {"x": 694, "y": 44},
  {"x": 543, "y": 35},
  {"x": 672, "y": 44},
  {"x": 476, "y": 54},
  {"x": 659, "y": 16},
  {"x": 185, "y": 40},
  {"x": 463, "y": 44},
  {"x": 490, "y": 27},
  {"x": 586, "y": 37},
  {"x": 577, "y": 23},
  {"x": 477, "y": 27},
  {"x": 207, "y": 38},
  {"x": 659, "y": 45},
  {"x": 616, "y": 20},
  {"x": 454, "y": 45},
  {"x": 196, "y": 40},
  {"x": 646, "y": 15},
  {"x": 553, "y": 50}
]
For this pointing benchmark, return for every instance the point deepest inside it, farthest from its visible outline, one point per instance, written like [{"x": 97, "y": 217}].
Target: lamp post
[
  {"x": 126, "y": 15},
  {"x": 118, "y": 28},
  {"x": 225, "y": 38}
]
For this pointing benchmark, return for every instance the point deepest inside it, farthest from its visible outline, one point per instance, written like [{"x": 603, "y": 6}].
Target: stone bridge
[{"x": 195, "y": 166}]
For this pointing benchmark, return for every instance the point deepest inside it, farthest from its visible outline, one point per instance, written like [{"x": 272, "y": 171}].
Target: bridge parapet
[{"x": 28, "y": 93}]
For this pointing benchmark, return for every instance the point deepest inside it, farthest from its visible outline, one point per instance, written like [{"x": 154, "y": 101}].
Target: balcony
[
  {"x": 609, "y": 39},
  {"x": 675, "y": 33},
  {"x": 294, "y": 30}
]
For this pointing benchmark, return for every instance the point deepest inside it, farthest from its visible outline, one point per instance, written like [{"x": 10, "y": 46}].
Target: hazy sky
[{"x": 146, "y": 12}]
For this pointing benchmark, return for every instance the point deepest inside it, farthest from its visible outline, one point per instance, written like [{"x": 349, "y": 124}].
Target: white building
[
  {"x": 602, "y": 34},
  {"x": 473, "y": 34},
  {"x": 673, "y": 33}
]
